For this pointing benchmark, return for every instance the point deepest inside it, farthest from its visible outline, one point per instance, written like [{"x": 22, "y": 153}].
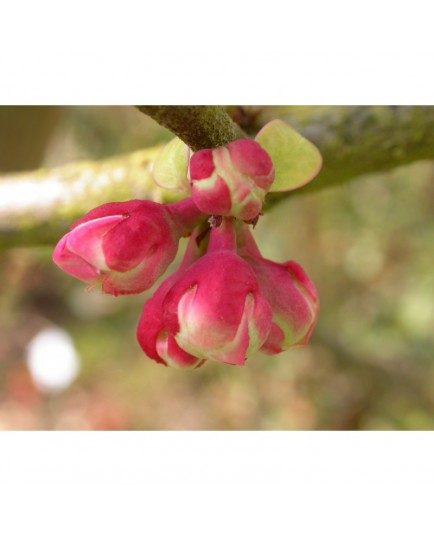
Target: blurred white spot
[{"x": 52, "y": 360}]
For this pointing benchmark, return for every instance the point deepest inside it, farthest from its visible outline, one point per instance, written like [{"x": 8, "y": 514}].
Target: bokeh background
[{"x": 69, "y": 359}]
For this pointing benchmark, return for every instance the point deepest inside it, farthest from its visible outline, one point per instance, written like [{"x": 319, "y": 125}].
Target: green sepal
[
  {"x": 171, "y": 166},
  {"x": 296, "y": 160}
]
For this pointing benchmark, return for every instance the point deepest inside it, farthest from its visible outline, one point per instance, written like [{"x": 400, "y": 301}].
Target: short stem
[
  {"x": 185, "y": 215},
  {"x": 192, "y": 252},
  {"x": 246, "y": 243},
  {"x": 223, "y": 237}
]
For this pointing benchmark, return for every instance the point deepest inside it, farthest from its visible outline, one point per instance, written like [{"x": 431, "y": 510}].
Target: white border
[
  {"x": 311, "y": 52},
  {"x": 214, "y": 483}
]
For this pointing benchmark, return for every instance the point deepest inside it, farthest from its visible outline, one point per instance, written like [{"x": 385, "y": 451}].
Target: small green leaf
[
  {"x": 170, "y": 166},
  {"x": 296, "y": 160}
]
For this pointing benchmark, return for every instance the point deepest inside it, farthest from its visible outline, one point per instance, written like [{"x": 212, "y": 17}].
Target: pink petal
[
  {"x": 123, "y": 208},
  {"x": 145, "y": 234},
  {"x": 169, "y": 350},
  {"x": 212, "y": 200},
  {"x": 86, "y": 240},
  {"x": 201, "y": 165},
  {"x": 72, "y": 264},
  {"x": 250, "y": 158}
]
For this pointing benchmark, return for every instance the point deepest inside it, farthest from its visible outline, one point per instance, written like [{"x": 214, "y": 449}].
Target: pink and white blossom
[
  {"x": 231, "y": 180},
  {"x": 289, "y": 291},
  {"x": 216, "y": 310},
  {"x": 123, "y": 248}
]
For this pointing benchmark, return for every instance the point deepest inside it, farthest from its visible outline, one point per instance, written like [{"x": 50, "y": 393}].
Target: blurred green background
[{"x": 367, "y": 245}]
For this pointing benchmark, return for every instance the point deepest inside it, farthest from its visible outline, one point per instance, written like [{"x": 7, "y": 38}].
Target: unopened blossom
[
  {"x": 291, "y": 294},
  {"x": 231, "y": 180},
  {"x": 152, "y": 334},
  {"x": 124, "y": 247},
  {"x": 216, "y": 310}
]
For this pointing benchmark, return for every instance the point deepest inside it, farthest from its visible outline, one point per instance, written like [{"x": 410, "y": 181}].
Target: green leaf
[
  {"x": 296, "y": 160},
  {"x": 170, "y": 166}
]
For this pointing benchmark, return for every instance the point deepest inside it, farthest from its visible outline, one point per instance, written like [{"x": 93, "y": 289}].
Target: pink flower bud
[
  {"x": 231, "y": 180},
  {"x": 152, "y": 335},
  {"x": 125, "y": 247},
  {"x": 292, "y": 296},
  {"x": 216, "y": 309},
  {"x": 154, "y": 338}
]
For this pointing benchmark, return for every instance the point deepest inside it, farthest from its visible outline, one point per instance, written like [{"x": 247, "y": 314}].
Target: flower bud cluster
[{"x": 225, "y": 302}]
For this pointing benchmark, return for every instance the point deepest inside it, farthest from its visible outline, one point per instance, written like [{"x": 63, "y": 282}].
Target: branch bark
[
  {"x": 37, "y": 207},
  {"x": 358, "y": 140}
]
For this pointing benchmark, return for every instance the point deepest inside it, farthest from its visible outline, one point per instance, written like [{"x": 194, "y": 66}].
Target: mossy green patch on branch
[{"x": 200, "y": 127}]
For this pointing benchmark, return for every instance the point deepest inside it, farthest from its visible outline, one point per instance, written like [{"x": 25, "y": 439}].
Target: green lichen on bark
[{"x": 199, "y": 127}]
